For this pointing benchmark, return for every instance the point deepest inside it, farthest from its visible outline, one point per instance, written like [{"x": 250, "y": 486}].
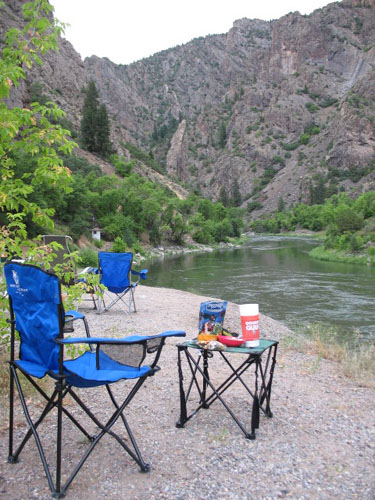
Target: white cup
[{"x": 250, "y": 324}]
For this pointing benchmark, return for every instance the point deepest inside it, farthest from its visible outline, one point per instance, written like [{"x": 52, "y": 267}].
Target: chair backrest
[
  {"x": 65, "y": 241},
  {"x": 35, "y": 299},
  {"x": 114, "y": 269}
]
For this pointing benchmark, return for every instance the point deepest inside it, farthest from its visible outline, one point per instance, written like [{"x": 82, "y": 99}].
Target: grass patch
[
  {"x": 321, "y": 253},
  {"x": 355, "y": 355}
]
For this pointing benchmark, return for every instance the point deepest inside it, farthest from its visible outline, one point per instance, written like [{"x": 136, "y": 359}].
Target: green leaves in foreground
[{"x": 28, "y": 132}]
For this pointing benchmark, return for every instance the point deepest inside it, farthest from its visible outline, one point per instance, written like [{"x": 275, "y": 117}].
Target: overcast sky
[{"x": 128, "y": 30}]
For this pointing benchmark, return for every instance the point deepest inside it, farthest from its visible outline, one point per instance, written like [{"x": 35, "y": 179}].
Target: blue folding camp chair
[
  {"x": 37, "y": 314},
  {"x": 115, "y": 271}
]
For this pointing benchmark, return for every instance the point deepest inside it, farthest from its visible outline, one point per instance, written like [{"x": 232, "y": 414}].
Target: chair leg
[
  {"x": 106, "y": 428},
  {"x": 56, "y": 401},
  {"x": 111, "y": 304},
  {"x": 11, "y": 458},
  {"x": 126, "y": 298},
  {"x": 143, "y": 465},
  {"x": 32, "y": 430},
  {"x": 133, "y": 300},
  {"x": 59, "y": 388}
]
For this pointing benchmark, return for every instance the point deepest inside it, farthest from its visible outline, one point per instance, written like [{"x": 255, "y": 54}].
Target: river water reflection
[{"x": 277, "y": 273}]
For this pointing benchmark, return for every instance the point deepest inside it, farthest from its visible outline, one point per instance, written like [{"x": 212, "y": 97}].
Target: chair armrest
[
  {"x": 105, "y": 347},
  {"x": 142, "y": 274},
  {"x": 132, "y": 339},
  {"x": 73, "y": 315}
]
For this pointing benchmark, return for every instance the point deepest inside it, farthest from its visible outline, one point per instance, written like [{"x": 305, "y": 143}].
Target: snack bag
[{"x": 211, "y": 319}]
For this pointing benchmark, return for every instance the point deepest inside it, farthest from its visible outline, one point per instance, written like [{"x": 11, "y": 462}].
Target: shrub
[
  {"x": 119, "y": 245},
  {"x": 253, "y": 205},
  {"x": 304, "y": 138},
  {"x": 348, "y": 220},
  {"x": 291, "y": 146},
  {"x": 327, "y": 101},
  {"x": 355, "y": 243},
  {"x": 137, "y": 248},
  {"x": 88, "y": 257},
  {"x": 122, "y": 167},
  {"x": 311, "y": 129},
  {"x": 98, "y": 243},
  {"x": 278, "y": 159},
  {"x": 311, "y": 107}
]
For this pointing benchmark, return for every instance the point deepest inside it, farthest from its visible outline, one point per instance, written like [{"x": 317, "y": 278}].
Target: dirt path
[{"x": 320, "y": 443}]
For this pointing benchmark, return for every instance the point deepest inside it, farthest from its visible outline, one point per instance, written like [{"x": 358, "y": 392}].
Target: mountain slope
[{"x": 284, "y": 108}]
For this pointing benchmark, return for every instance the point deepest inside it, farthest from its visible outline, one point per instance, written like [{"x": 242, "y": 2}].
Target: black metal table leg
[
  {"x": 183, "y": 413},
  {"x": 206, "y": 378},
  {"x": 207, "y": 391}
]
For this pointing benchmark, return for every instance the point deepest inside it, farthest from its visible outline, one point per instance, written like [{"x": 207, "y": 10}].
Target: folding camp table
[{"x": 262, "y": 358}]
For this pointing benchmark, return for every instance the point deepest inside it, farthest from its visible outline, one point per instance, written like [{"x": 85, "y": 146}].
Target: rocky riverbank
[
  {"x": 320, "y": 443},
  {"x": 161, "y": 252}
]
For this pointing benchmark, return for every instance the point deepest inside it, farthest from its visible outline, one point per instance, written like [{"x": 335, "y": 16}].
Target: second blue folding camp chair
[
  {"x": 37, "y": 314},
  {"x": 115, "y": 270}
]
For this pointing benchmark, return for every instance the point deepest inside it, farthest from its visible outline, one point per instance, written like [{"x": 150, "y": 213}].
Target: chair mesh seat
[{"x": 110, "y": 371}]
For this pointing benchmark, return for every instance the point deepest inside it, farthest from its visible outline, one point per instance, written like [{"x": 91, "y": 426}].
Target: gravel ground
[{"x": 320, "y": 443}]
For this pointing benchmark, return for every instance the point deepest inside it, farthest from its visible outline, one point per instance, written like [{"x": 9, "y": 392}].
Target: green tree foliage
[
  {"x": 214, "y": 223},
  {"x": 28, "y": 133},
  {"x": 281, "y": 204},
  {"x": 318, "y": 190},
  {"x": 89, "y": 118},
  {"x": 164, "y": 132},
  {"x": 223, "y": 196},
  {"x": 102, "y": 136},
  {"x": 347, "y": 219},
  {"x": 119, "y": 245},
  {"x": 146, "y": 158},
  {"x": 95, "y": 128},
  {"x": 236, "y": 194},
  {"x": 349, "y": 223},
  {"x": 122, "y": 167},
  {"x": 222, "y": 135},
  {"x": 132, "y": 208}
]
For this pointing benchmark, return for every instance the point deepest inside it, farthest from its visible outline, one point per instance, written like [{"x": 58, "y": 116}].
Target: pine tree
[
  {"x": 222, "y": 135},
  {"x": 104, "y": 145},
  {"x": 223, "y": 196},
  {"x": 236, "y": 194},
  {"x": 89, "y": 118},
  {"x": 281, "y": 204},
  {"x": 95, "y": 128}
]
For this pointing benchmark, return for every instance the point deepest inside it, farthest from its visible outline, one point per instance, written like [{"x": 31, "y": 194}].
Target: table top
[{"x": 263, "y": 345}]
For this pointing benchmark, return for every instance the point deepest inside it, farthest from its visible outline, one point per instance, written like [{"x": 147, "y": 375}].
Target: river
[{"x": 277, "y": 273}]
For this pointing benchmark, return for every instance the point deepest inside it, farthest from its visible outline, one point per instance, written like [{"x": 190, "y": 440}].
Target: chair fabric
[
  {"x": 37, "y": 314},
  {"x": 116, "y": 273}
]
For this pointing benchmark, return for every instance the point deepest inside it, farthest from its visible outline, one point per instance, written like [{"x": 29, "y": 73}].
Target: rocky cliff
[{"x": 286, "y": 107}]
